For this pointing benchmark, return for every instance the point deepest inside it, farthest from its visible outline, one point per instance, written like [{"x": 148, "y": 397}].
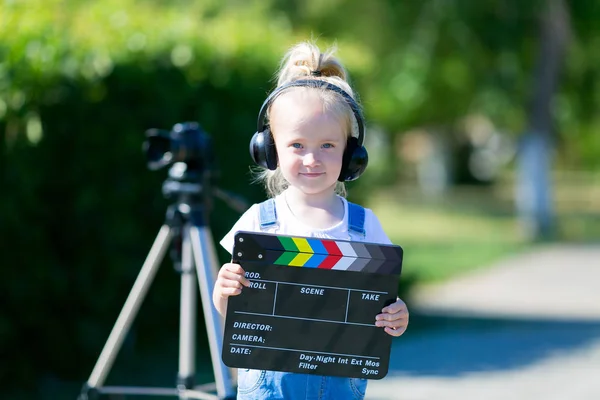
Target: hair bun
[{"x": 306, "y": 59}]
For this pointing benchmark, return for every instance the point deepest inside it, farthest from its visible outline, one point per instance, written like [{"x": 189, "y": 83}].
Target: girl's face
[{"x": 310, "y": 141}]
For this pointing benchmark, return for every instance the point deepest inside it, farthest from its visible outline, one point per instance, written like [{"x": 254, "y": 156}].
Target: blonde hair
[{"x": 306, "y": 61}]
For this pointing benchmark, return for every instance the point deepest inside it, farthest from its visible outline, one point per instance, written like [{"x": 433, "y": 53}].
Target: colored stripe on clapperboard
[{"x": 331, "y": 254}]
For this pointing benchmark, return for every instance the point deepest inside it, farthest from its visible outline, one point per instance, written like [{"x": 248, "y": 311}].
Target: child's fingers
[
  {"x": 403, "y": 315},
  {"x": 394, "y": 332},
  {"x": 234, "y": 279},
  {"x": 392, "y": 323},
  {"x": 394, "y": 328},
  {"x": 225, "y": 282},
  {"x": 231, "y": 291},
  {"x": 394, "y": 318},
  {"x": 396, "y": 307},
  {"x": 234, "y": 272},
  {"x": 227, "y": 287}
]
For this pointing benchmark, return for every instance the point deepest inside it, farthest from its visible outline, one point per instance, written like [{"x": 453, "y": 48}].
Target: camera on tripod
[
  {"x": 189, "y": 149},
  {"x": 187, "y": 142}
]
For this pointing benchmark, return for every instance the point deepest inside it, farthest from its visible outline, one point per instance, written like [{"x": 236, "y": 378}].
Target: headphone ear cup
[
  {"x": 270, "y": 150},
  {"x": 354, "y": 162},
  {"x": 257, "y": 149},
  {"x": 262, "y": 150}
]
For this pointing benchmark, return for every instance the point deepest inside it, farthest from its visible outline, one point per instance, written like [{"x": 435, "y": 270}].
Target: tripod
[{"x": 185, "y": 222}]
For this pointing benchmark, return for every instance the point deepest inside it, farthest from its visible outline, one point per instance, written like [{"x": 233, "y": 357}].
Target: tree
[{"x": 533, "y": 186}]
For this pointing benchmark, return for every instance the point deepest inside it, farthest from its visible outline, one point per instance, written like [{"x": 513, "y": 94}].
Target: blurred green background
[{"x": 451, "y": 90}]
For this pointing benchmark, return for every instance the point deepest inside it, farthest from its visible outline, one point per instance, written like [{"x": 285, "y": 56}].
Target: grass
[
  {"x": 445, "y": 237},
  {"x": 471, "y": 228}
]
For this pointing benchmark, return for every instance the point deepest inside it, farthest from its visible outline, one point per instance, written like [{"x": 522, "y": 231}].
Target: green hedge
[{"x": 79, "y": 209}]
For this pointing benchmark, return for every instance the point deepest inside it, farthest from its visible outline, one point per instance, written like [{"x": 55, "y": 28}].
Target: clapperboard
[{"x": 311, "y": 306}]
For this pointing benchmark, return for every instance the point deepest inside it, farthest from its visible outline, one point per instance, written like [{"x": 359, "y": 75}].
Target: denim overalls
[{"x": 261, "y": 385}]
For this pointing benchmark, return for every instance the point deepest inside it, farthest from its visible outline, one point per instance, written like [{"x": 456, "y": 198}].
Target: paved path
[
  {"x": 570, "y": 376},
  {"x": 527, "y": 327}
]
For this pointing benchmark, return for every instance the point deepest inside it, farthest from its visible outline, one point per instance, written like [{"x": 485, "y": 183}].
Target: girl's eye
[
  {"x": 296, "y": 145},
  {"x": 328, "y": 145}
]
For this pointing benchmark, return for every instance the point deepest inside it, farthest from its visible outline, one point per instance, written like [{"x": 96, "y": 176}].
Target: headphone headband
[{"x": 317, "y": 84}]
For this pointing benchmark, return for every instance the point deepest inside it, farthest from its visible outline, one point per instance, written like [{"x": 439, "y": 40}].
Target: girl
[{"x": 309, "y": 141}]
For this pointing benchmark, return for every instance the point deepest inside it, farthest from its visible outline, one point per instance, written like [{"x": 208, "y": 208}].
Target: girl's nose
[{"x": 309, "y": 159}]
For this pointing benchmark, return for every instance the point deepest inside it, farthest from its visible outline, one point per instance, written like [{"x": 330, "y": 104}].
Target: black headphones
[{"x": 262, "y": 145}]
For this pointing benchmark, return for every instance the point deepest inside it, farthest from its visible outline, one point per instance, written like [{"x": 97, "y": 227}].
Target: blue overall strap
[
  {"x": 267, "y": 214},
  {"x": 356, "y": 219}
]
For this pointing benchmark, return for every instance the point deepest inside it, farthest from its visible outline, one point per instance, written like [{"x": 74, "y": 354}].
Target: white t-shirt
[{"x": 288, "y": 224}]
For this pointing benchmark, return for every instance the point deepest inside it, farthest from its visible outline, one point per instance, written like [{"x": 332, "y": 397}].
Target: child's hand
[
  {"x": 230, "y": 281},
  {"x": 394, "y": 318}
]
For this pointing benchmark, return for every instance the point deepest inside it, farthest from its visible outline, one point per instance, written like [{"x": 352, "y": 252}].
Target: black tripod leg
[
  {"x": 128, "y": 313},
  {"x": 206, "y": 268}
]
